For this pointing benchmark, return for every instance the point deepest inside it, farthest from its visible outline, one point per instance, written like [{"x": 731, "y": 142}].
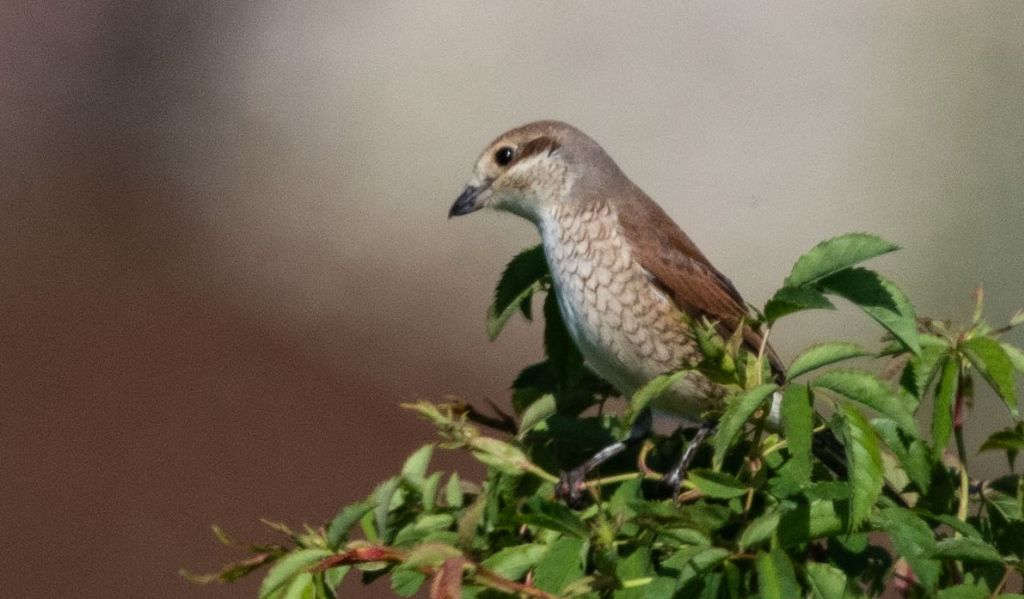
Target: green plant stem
[
  {"x": 625, "y": 476},
  {"x": 760, "y": 354},
  {"x": 540, "y": 472}
]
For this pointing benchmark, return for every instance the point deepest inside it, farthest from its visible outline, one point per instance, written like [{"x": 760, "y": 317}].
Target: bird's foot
[
  {"x": 572, "y": 488},
  {"x": 673, "y": 480},
  {"x": 671, "y": 483}
]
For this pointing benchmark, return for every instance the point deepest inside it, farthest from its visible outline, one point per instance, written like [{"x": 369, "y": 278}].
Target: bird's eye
[{"x": 504, "y": 155}]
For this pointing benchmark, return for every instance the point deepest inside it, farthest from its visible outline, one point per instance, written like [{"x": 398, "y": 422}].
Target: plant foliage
[{"x": 758, "y": 514}]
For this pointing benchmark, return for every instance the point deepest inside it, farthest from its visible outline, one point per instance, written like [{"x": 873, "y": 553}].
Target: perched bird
[{"x": 629, "y": 282}]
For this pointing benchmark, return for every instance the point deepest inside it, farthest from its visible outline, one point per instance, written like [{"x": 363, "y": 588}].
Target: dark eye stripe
[
  {"x": 530, "y": 148},
  {"x": 536, "y": 146}
]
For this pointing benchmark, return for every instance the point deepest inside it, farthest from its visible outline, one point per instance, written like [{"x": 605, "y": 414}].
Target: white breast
[{"x": 627, "y": 330}]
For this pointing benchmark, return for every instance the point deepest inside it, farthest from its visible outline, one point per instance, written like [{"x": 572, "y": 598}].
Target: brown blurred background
[{"x": 225, "y": 260}]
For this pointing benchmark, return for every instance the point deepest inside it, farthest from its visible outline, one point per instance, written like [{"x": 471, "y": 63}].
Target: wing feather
[{"x": 684, "y": 273}]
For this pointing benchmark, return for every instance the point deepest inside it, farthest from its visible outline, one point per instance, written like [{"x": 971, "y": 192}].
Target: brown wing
[{"x": 686, "y": 275}]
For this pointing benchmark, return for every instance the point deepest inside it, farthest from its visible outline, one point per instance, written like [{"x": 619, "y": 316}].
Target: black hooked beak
[{"x": 466, "y": 202}]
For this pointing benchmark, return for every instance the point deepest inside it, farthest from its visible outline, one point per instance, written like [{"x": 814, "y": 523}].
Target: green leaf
[
  {"x": 951, "y": 521},
  {"x": 584, "y": 588},
  {"x": 942, "y": 415},
  {"x": 836, "y": 254},
  {"x": 708, "y": 558},
  {"x": 759, "y": 530},
  {"x": 733, "y": 579},
  {"x": 453, "y": 491},
  {"x": 913, "y": 540},
  {"x": 537, "y": 412},
  {"x": 288, "y": 566},
  {"x": 831, "y": 490},
  {"x": 797, "y": 525},
  {"x": 912, "y": 453},
  {"x": 382, "y": 496},
  {"x": 538, "y": 511},
  {"x": 703, "y": 517},
  {"x": 966, "y": 549},
  {"x": 470, "y": 519},
  {"x": 522, "y": 278},
  {"x": 634, "y": 573},
  {"x": 806, "y": 522},
  {"x": 430, "y": 555},
  {"x": 995, "y": 366},
  {"x": 864, "y": 460},
  {"x": 1015, "y": 354},
  {"x": 865, "y": 388},
  {"x": 428, "y": 493},
  {"x": 1010, "y": 440},
  {"x": 880, "y": 299},
  {"x": 964, "y": 591},
  {"x": 692, "y": 566},
  {"x": 922, "y": 369},
  {"x": 826, "y": 581},
  {"x": 423, "y": 528},
  {"x": 500, "y": 455},
  {"x": 415, "y": 468},
  {"x": 406, "y": 581},
  {"x": 798, "y": 424},
  {"x": 795, "y": 299},
  {"x": 652, "y": 391},
  {"x": 337, "y": 530},
  {"x": 513, "y": 562},
  {"x": 564, "y": 358},
  {"x": 564, "y": 562},
  {"x": 824, "y": 354},
  {"x": 716, "y": 484},
  {"x": 368, "y": 525},
  {"x": 302, "y": 586},
  {"x": 660, "y": 586},
  {"x": 737, "y": 413},
  {"x": 332, "y": 578},
  {"x": 619, "y": 504},
  {"x": 775, "y": 576}
]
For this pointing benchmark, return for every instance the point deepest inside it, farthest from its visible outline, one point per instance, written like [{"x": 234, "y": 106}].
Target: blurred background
[{"x": 225, "y": 259}]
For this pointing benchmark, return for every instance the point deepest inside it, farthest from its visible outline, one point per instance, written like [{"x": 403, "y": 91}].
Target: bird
[{"x": 630, "y": 283}]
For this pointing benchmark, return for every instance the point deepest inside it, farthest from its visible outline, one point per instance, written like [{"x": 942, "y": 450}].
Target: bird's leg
[
  {"x": 673, "y": 479},
  {"x": 572, "y": 484}
]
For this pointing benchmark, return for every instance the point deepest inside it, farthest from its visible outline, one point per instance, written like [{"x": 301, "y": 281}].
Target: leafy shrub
[{"x": 758, "y": 513}]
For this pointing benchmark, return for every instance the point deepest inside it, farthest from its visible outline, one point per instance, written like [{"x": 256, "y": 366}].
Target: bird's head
[{"x": 532, "y": 168}]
